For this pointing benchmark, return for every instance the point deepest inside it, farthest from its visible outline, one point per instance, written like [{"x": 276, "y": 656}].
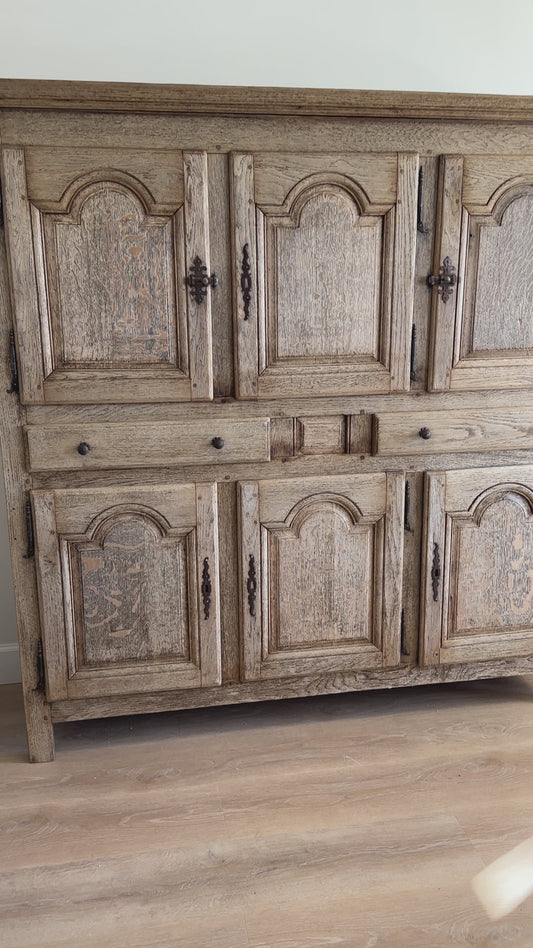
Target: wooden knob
[
  {"x": 218, "y": 442},
  {"x": 84, "y": 448},
  {"x": 425, "y": 433}
]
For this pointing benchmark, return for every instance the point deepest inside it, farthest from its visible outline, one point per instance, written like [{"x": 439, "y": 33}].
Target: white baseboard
[{"x": 9, "y": 664}]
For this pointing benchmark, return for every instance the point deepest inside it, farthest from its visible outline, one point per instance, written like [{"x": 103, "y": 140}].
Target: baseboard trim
[{"x": 9, "y": 664}]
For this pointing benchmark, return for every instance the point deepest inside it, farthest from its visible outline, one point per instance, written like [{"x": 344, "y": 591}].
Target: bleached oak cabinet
[{"x": 267, "y": 400}]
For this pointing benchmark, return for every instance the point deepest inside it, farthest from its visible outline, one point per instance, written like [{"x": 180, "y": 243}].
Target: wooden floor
[{"x": 352, "y": 820}]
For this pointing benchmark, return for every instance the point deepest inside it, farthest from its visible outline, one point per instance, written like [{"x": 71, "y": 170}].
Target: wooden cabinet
[
  {"x": 129, "y": 589},
  {"x": 99, "y": 244},
  {"x": 324, "y": 249},
  {"x": 483, "y": 335},
  {"x": 321, "y": 574},
  {"x": 267, "y": 392},
  {"x": 478, "y": 600}
]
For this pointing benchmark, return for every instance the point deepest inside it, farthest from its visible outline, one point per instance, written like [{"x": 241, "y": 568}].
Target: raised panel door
[
  {"x": 101, "y": 243},
  {"x": 128, "y": 584},
  {"x": 321, "y": 574},
  {"x": 477, "y": 601},
  {"x": 482, "y": 334},
  {"x": 323, "y": 252}
]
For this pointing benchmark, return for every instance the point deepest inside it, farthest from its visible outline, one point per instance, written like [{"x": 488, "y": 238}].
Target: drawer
[
  {"x": 445, "y": 432},
  {"x": 98, "y": 446}
]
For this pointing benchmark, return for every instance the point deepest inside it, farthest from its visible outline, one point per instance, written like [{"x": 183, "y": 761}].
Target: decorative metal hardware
[
  {"x": 198, "y": 280},
  {"x": 217, "y": 443},
  {"x": 251, "y": 584},
  {"x": 83, "y": 448},
  {"x": 246, "y": 281},
  {"x": 403, "y": 645},
  {"x": 30, "y": 535},
  {"x": 206, "y": 588},
  {"x": 13, "y": 364},
  {"x": 41, "y": 683},
  {"x": 420, "y": 203},
  {"x": 435, "y": 572},
  {"x": 445, "y": 281},
  {"x": 425, "y": 434},
  {"x": 412, "y": 370},
  {"x": 407, "y": 509}
]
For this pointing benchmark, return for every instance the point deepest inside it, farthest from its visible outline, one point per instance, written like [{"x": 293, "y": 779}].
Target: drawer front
[
  {"x": 97, "y": 446},
  {"x": 445, "y": 432}
]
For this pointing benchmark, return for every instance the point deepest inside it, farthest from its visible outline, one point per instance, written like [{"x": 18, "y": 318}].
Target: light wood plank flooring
[{"x": 351, "y": 820}]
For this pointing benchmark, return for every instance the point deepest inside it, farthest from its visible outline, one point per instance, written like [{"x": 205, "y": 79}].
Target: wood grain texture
[
  {"x": 121, "y": 576},
  {"x": 40, "y": 738},
  {"x": 19, "y": 245},
  {"x": 197, "y": 245},
  {"x": 452, "y": 431},
  {"x": 447, "y": 244},
  {"x": 118, "y": 446},
  {"x": 245, "y": 274},
  {"x": 261, "y": 826},
  {"x": 404, "y": 270},
  {"x": 139, "y": 97}
]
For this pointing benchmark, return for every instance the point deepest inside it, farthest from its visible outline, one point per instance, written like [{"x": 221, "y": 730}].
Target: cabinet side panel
[
  {"x": 38, "y": 717},
  {"x": 22, "y": 271}
]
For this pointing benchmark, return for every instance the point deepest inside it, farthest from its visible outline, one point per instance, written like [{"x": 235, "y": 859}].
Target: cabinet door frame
[
  {"x": 27, "y": 220},
  {"x": 387, "y": 580},
  {"x": 67, "y": 677},
  {"x": 453, "y": 500},
  {"x": 254, "y": 377},
  {"x": 474, "y": 192}
]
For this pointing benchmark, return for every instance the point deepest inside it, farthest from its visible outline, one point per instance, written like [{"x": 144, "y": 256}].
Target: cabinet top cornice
[{"x": 239, "y": 100}]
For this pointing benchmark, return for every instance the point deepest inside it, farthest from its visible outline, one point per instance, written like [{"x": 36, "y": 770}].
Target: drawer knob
[
  {"x": 425, "y": 433},
  {"x": 84, "y": 448},
  {"x": 218, "y": 442}
]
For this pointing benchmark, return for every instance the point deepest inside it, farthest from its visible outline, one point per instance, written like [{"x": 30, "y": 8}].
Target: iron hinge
[
  {"x": 403, "y": 644},
  {"x": 41, "y": 682},
  {"x": 30, "y": 535},
  {"x": 420, "y": 203},
  {"x": 13, "y": 364},
  {"x": 412, "y": 371},
  {"x": 407, "y": 509}
]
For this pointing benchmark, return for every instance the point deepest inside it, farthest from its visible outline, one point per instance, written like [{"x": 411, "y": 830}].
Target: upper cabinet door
[
  {"x": 101, "y": 243},
  {"x": 324, "y": 250},
  {"x": 482, "y": 325}
]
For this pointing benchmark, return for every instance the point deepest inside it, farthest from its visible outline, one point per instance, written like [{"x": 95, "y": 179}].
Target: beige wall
[{"x": 458, "y": 46}]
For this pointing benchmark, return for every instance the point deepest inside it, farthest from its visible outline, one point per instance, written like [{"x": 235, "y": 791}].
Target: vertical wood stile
[
  {"x": 250, "y": 540},
  {"x": 38, "y": 720},
  {"x": 244, "y": 235},
  {"x": 393, "y": 570},
  {"x": 197, "y": 245},
  {"x": 404, "y": 272},
  {"x": 447, "y": 244},
  {"x": 434, "y": 532},
  {"x": 20, "y": 254},
  {"x": 210, "y": 634},
  {"x": 47, "y": 554}
]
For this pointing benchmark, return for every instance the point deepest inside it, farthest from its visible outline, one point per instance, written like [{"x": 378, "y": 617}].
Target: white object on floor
[{"x": 506, "y": 882}]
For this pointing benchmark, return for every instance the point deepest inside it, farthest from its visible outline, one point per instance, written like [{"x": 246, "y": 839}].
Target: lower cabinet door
[
  {"x": 477, "y": 597},
  {"x": 128, "y": 584},
  {"x": 321, "y": 574}
]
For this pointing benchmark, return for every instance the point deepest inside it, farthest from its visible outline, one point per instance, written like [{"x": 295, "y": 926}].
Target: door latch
[
  {"x": 198, "y": 280},
  {"x": 445, "y": 280}
]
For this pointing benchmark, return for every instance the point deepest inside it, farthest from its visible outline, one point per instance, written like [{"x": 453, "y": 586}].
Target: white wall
[{"x": 457, "y": 46}]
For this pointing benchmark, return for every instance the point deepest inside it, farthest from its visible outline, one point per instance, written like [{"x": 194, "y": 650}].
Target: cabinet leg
[{"x": 39, "y": 727}]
